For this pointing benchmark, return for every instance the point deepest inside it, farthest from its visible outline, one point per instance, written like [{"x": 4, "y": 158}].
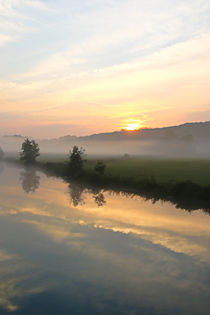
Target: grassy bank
[
  {"x": 162, "y": 170},
  {"x": 185, "y": 183},
  {"x": 139, "y": 169}
]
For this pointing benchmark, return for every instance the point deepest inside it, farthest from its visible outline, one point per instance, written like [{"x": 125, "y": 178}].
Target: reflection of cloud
[
  {"x": 160, "y": 224},
  {"x": 58, "y": 232},
  {"x": 11, "y": 289},
  {"x": 13, "y": 281},
  {"x": 178, "y": 243},
  {"x": 122, "y": 251},
  {"x": 5, "y": 256}
]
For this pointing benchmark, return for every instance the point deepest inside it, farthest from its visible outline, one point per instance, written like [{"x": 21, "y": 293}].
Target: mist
[{"x": 173, "y": 148}]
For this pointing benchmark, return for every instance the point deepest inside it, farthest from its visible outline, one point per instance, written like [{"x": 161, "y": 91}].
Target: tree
[
  {"x": 76, "y": 161},
  {"x": 30, "y": 151},
  {"x": 100, "y": 167}
]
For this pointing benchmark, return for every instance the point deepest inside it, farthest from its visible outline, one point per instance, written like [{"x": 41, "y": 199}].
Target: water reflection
[
  {"x": 125, "y": 257},
  {"x": 17, "y": 282},
  {"x": 1, "y": 167},
  {"x": 188, "y": 200},
  {"x": 99, "y": 199},
  {"x": 77, "y": 193},
  {"x": 30, "y": 181}
]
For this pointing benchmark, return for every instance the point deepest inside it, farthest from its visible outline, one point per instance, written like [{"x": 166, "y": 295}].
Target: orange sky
[{"x": 109, "y": 66}]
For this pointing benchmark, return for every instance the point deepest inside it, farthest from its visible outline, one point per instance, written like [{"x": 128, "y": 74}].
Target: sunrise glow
[
  {"x": 132, "y": 125},
  {"x": 86, "y": 81}
]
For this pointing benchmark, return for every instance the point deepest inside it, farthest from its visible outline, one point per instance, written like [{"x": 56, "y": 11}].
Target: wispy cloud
[
  {"x": 4, "y": 39},
  {"x": 103, "y": 34},
  {"x": 104, "y": 57},
  {"x": 15, "y": 17}
]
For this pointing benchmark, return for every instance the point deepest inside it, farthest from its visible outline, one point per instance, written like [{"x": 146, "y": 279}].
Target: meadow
[{"x": 163, "y": 170}]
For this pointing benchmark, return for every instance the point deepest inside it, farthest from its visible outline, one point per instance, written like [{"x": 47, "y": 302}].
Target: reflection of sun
[{"x": 132, "y": 125}]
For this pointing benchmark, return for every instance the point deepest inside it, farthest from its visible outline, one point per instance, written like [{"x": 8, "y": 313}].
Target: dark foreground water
[{"x": 64, "y": 250}]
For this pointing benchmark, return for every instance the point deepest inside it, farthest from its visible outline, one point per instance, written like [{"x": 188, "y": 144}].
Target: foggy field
[{"x": 163, "y": 170}]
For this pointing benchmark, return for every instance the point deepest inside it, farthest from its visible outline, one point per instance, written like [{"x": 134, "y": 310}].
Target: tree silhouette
[
  {"x": 76, "y": 161},
  {"x": 30, "y": 151}
]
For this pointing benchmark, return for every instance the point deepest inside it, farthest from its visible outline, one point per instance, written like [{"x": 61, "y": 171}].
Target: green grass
[
  {"x": 162, "y": 170},
  {"x": 55, "y": 158},
  {"x": 137, "y": 169}
]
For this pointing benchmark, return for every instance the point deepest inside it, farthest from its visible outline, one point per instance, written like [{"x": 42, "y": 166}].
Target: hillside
[{"x": 189, "y": 139}]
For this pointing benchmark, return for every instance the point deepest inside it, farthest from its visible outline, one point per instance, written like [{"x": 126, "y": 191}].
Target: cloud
[
  {"x": 112, "y": 33},
  {"x": 104, "y": 57},
  {"x": 55, "y": 65},
  {"x": 14, "y": 18},
  {"x": 4, "y": 39},
  {"x": 8, "y": 7},
  {"x": 174, "y": 80}
]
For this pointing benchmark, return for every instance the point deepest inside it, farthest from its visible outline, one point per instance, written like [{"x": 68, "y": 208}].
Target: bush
[{"x": 100, "y": 168}]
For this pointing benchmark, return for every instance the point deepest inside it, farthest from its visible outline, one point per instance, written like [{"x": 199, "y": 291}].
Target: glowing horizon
[
  {"x": 88, "y": 66},
  {"x": 132, "y": 125}
]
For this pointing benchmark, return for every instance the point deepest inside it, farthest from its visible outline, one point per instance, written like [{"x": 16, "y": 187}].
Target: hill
[{"x": 189, "y": 139}]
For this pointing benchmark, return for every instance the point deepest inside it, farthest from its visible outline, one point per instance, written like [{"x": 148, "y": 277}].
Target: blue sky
[{"x": 91, "y": 65}]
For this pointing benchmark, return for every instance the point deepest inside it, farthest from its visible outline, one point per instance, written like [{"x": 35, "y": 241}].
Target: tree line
[{"x": 30, "y": 151}]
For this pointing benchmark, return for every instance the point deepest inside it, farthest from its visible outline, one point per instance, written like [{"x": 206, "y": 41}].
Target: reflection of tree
[
  {"x": 29, "y": 180},
  {"x": 1, "y": 154},
  {"x": 98, "y": 196},
  {"x": 1, "y": 167},
  {"x": 99, "y": 199},
  {"x": 75, "y": 192}
]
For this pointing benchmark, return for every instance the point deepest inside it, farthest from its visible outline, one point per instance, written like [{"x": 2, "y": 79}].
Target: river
[{"x": 67, "y": 250}]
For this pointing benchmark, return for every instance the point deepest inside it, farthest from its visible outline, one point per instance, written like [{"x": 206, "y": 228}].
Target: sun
[{"x": 132, "y": 125}]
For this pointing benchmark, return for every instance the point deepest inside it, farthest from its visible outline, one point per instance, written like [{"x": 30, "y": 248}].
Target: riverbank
[
  {"x": 176, "y": 187},
  {"x": 163, "y": 170},
  {"x": 179, "y": 190}
]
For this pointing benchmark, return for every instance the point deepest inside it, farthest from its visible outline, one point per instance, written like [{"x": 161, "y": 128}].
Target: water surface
[{"x": 67, "y": 250}]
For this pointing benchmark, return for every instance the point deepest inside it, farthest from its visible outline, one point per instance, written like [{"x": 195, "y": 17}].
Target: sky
[{"x": 90, "y": 66}]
